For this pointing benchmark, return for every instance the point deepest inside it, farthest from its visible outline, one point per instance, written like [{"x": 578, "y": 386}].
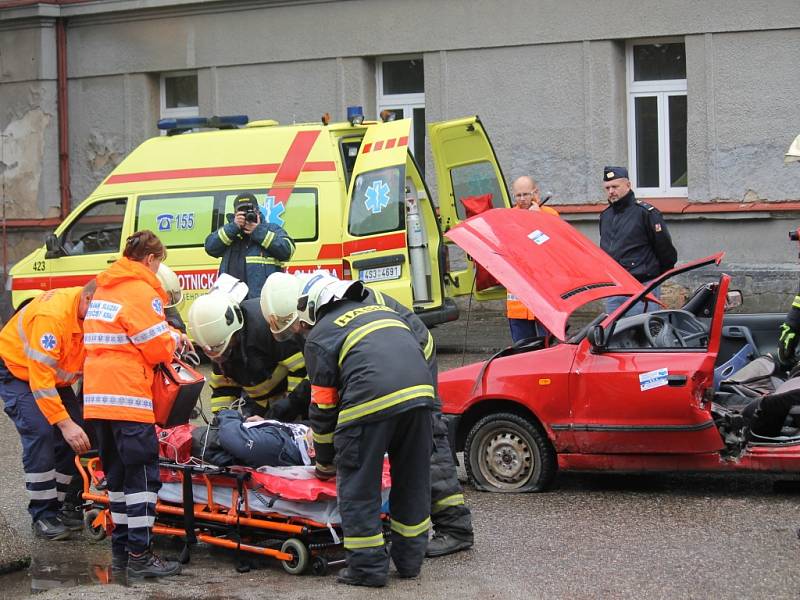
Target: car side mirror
[
  {"x": 54, "y": 249},
  {"x": 733, "y": 299},
  {"x": 598, "y": 337}
]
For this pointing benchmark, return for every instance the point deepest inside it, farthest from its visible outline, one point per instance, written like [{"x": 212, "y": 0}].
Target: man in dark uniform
[
  {"x": 634, "y": 234},
  {"x": 371, "y": 392},
  {"x": 247, "y": 359}
]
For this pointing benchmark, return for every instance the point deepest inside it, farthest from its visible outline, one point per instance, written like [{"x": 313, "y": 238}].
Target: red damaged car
[{"x": 625, "y": 393}]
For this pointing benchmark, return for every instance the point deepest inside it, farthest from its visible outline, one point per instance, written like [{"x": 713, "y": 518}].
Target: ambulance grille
[{"x": 586, "y": 288}]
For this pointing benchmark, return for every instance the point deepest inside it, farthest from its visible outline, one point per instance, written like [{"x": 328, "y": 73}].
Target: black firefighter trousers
[
  {"x": 449, "y": 514},
  {"x": 359, "y": 466}
]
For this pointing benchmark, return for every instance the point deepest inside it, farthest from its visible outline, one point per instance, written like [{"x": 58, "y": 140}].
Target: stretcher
[{"x": 285, "y": 514}]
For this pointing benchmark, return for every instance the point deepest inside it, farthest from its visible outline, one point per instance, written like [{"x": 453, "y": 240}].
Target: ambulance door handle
[{"x": 111, "y": 260}]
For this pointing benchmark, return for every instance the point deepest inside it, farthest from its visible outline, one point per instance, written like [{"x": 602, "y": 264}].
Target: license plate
[{"x": 379, "y": 274}]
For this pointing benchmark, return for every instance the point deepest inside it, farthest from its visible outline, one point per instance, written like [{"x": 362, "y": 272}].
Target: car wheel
[{"x": 508, "y": 453}]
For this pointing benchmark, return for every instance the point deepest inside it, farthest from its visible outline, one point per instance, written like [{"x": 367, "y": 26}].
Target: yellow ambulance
[{"x": 350, "y": 195}]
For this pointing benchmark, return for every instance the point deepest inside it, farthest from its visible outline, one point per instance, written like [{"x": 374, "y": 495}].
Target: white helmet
[
  {"x": 171, "y": 284},
  {"x": 213, "y": 319},
  {"x": 279, "y": 303},
  {"x": 319, "y": 290}
]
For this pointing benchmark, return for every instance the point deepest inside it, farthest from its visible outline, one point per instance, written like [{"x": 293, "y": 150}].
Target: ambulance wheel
[
  {"x": 300, "y": 557},
  {"x": 319, "y": 565},
  {"x": 505, "y": 452},
  {"x": 94, "y": 533}
]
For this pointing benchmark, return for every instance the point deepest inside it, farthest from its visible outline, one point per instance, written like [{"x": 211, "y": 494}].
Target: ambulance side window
[
  {"x": 377, "y": 202},
  {"x": 180, "y": 220},
  {"x": 98, "y": 229},
  {"x": 297, "y": 215},
  {"x": 477, "y": 179}
]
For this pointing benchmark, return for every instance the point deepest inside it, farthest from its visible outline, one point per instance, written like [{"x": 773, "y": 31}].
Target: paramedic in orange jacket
[
  {"x": 521, "y": 321},
  {"x": 42, "y": 354},
  {"x": 126, "y": 335}
]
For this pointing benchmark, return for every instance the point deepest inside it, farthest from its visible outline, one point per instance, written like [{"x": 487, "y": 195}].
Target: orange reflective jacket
[
  {"x": 515, "y": 309},
  {"x": 125, "y": 336},
  {"x": 43, "y": 345}
]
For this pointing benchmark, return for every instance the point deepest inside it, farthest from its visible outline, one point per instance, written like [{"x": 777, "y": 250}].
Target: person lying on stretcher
[{"x": 253, "y": 442}]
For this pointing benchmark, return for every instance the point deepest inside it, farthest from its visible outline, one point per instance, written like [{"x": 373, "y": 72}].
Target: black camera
[{"x": 250, "y": 215}]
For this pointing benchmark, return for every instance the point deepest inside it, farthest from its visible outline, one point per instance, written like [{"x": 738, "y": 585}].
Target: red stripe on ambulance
[
  {"x": 385, "y": 144},
  {"x": 376, "y": 244},
  {"x": 292, "y": 164}
]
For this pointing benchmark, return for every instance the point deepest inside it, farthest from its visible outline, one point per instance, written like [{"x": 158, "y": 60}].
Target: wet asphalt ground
[{"x": 591, "y": 536}]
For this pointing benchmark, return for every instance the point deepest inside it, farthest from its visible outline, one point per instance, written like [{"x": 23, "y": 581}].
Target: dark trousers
[
  {"x": 359, "y": 464},
  {"x": 129, "y": 454},
  {"x": 48, "y": 461},
  {"x": 448, "y": 512},
  {"x": 522, "y": 329}
]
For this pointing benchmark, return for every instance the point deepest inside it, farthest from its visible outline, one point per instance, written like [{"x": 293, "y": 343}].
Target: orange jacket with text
[
  {"x": 43, "y": 345},
  {"x": 125, "y": 335},
  {"x": 514, "y": 308}
]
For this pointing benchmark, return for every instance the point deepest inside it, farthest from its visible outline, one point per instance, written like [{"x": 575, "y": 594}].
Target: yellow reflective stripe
[
  {"x": 454, "y": 500},
  {"x": 325, "y": 406},
  {"x": 294, "y": 362},
  {"x": 428, "y": 350},
  {"x": 263, "y": 403},
  {"x": 372, "y": 541},
  {"x": 224, "y": 236},
  {"x": 384, "y": 402},
  {"x": 290, "y": 241},
  {"x": 217, "y": 381},
  {"x": 411, "y": 530},
  {"x": 323, "y": 438},
  {"x": 359, "y": 333},
  {"x": 260, "y": 260},
  {"x": 379, "y": 297},
  {"x": 292, "y": 382},
  {"x": 796, "y": 302},
  {"x": 221, "y": 402},
  {"x": 266, "y": 386},
  {"x": 268, "y": 239}
]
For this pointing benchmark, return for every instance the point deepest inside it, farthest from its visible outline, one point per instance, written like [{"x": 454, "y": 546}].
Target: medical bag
[{"x": 176, "y": 389}]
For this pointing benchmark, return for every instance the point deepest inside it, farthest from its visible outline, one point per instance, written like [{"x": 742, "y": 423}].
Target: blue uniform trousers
[
  {"x": 48, "y": 461},
  {"x": 129, "y": 454}
]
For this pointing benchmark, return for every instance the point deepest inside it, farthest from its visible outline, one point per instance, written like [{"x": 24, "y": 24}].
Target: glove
[
  {"x": 324, "y": 472},
  {"x": 787, "y": 343}
]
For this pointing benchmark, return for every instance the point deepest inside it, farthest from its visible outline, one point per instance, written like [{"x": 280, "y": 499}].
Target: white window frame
[
  {"x": 661, "y": 90},
  {"x": 408, "y": 102},
  {"x": 170, "y": 113}
]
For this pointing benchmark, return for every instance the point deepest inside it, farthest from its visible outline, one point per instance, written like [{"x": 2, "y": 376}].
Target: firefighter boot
[
  {"x": 442, "y": 544},
  {"x": 346, "y": 576},
  {"x": 71, "y": 517},
  {"x": 148, "y": 564}
]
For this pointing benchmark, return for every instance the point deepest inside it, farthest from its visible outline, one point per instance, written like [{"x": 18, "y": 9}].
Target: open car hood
[{"x": 547, "y": 263}]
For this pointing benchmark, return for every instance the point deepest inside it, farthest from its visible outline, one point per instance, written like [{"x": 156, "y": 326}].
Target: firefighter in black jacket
[
  {"x": 371, "y": 392},
  {"x": 246, "y": 358}
]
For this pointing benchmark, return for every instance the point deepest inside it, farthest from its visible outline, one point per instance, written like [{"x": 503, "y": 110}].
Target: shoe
[
  {"x": 119, "y": 561},
  {"x": 51, "y": 528},
  {"x": 442, "y": 544},
  {"x": 71, "y": 518},
  {"x": 346, "y": 576},
  {"x": 150, "y": 565},
  {"x": 407, "y": 574}
]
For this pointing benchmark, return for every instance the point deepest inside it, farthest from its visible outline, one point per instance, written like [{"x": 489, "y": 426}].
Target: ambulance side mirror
[{"x": 54, "y": 249}]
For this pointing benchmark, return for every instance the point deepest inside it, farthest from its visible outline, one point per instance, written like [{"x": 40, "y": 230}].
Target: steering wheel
[
  {"x": 660, "y": 333},
  {"x": 99, "y": 239}
]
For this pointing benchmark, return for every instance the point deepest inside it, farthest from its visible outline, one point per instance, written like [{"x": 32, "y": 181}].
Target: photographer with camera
[{"x": 251, "y": 249}]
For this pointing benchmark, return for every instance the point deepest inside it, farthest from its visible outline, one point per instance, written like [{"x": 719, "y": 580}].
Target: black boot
[
  {"x": 72, "y": 518},
  {"x": 51, "y": 528},
  {"x": 119, "y": 560},
  {"x": 148, "y": 564},
  {"x": 442, "y": 544},
  {"x": 347, "y": 576}
]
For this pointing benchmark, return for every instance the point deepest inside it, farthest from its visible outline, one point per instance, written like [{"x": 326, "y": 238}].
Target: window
[
  {"x": 378, "y": 202},
  {"x": 179, "y": 95},
  {"x": 298, "y": 218},
  {"x": 475, "y": 180},
  {"x": 401, "y": 89},
  {"x": 98, "y": 229},
  {"x": 657, "y": 117},
  {"x": 179, "y": 220}
]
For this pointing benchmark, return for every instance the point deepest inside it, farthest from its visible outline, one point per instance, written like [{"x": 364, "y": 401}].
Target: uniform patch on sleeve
[
  {"x": 157, "y": 306},
  {"x": 658, "y": 227},
  {"x": 48, "y": 341}
]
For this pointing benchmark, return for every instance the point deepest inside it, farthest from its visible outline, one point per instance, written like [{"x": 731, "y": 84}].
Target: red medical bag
[{"x": 176, "y": 389}]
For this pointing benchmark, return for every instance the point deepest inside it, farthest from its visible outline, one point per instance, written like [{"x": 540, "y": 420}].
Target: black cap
[
  {"x": 610, "y": 173},
  {"x": 245, "y": 198}
]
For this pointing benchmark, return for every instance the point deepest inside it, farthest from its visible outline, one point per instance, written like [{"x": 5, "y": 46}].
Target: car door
[
  {"x": 90, "y": 242},
  {"x": 646, "y": 400},
  {"x": 374, "y": 242},
  {"x": 466, "y": 169}
]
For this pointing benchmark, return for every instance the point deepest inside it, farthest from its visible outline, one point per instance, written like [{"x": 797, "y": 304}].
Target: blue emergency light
[
  {"x": 355, "y": 114},
  {"x": 182, "y": 124}
]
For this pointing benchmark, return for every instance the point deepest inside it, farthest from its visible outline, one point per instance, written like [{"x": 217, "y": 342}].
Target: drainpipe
[{"x": 63, "y": 116}]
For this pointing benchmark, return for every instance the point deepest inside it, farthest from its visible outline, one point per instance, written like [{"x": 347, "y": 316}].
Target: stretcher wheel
[
  {"x": 185, "y": 555},
  {"x": 319, "y": 565},
  {"x": 300, "y": 556},
  {"x": 96, "y": 533}
]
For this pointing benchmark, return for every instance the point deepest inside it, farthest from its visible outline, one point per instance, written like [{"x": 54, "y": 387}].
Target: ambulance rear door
[
  {"x": 374, "y": 243},
  {"x": 467, "y": 173}
]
